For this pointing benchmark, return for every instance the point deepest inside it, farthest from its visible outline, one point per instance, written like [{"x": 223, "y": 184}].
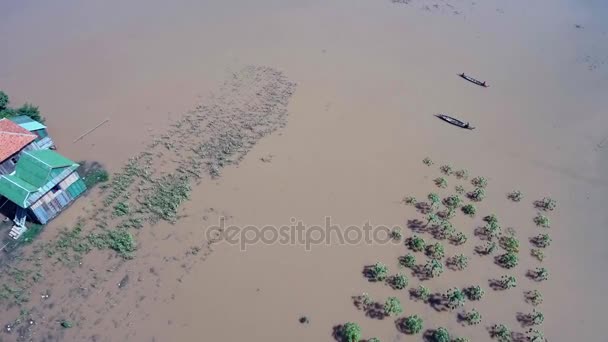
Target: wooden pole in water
[{"x": 91, "y": 130}]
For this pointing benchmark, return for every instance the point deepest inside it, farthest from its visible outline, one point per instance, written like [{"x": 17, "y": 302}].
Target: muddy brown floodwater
[{"x": 310, "y": 109}]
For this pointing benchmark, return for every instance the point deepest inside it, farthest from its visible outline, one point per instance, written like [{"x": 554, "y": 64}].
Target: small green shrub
[
  {"x": 469, "y": 210},
  {"x": 121, "y": 209},
  {"x": 396, "y": 234},
  {"x": 392, "y": 307},
  {"x": 416, "y": 244},
  {"x": 541, "y": 274},
  {"x": 474, "y": 292},
  {"x": 541, "y": 241},
  {"x": 472, "y": 317},
  {"x": 351, "y": 332},
  {"x": 534, "y": 335},
  {"x": 434, "y": 199},
  {"x": 542, "y": 221},
  {"x": 427, "y": 161},
  {"x": 534, "y": 297},
  {"x": 478, "y": 194},
  {"x": 538, "y": 254},
  {"x": 410, "y": 200},
  {"x": 441, "y": 335},
  {"x": 433, "y": 268},
  {"x": 501, "y": 333},
  {"x": 515, "y": 196},
  {"x": 507, "y": 282},
  {"x": 408, "y": 260},
  {"x": 446, "y": 169},
  {"x": 491, "y": 219},
  {"x": 458, "y": 238},
  {"x": 441, "y": 182},
  {"x": 454, "y": 298},
  {"x": 508, "y": 260},
  {"x": 398, "y": 281},
  {"x": 435, "y": 251},
  {"x": 534, "y": 318},
  {"x": 509, "y": 243},
  {"x": 452, "y": 202},
  {"x": 479, "y": 182},
  {"x": 423, "y": 293},
  {"x": 459, "y": 261},
  {"x": 412, "y": 324},
  {"x": 462, "y": 174},
  {"x": 379, "y": 272},
  {"x": 546, "y": 204}
]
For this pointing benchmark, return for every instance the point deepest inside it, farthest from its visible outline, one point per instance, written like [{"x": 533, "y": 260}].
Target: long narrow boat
[
  {"x": 472, "y": 80},
  {"x": 454, "y": 121}
]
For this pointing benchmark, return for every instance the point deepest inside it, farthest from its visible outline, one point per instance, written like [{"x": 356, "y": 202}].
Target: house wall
[{"x": 58, "y": 198}]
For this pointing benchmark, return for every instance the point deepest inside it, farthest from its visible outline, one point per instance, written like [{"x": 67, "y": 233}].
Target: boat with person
[
  {"x": 472, "y": 80},
  {"x": 454, "y": 121}
]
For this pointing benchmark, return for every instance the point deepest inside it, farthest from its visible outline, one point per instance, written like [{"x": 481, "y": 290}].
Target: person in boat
[
  {"x": 467, "y": 125},
  {"x": 483, "y": 84}
]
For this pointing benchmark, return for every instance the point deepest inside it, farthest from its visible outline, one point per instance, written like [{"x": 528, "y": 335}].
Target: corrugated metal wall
[{"x": 51, "y": 204}]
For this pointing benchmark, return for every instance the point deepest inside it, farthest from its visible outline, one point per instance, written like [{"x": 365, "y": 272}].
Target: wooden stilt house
[{"x": 43, "y": 184}]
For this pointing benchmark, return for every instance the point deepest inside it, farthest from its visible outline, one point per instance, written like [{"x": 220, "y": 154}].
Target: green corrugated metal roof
[
  {"x": 16, "y": 189},
  {"x": 34, "y": 170},
  {"x": 28, "y": 123}
]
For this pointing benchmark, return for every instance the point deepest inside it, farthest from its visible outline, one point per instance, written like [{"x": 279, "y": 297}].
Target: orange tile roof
[{"x": 13, "y": 138}]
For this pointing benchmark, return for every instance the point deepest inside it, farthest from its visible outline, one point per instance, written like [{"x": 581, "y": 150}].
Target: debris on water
[
  {"x": 304, "y": 320},
  {"x": 8, "y": 328},
  {"x": 124, "y": 281},
  {"x": 267, "y": 158}
]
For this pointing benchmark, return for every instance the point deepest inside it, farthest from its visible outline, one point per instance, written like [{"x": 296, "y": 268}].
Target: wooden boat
[
  {"x": 472, "y": 80},
  {"x": 454, "y": 121}
]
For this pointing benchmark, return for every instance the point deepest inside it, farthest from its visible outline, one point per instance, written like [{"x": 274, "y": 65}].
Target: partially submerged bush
[
  {"x": 351, "y": 332},
  {"x": 416, "y": 244},
  {"x": 462, "y": 174},
  {"x": 446, "y": 169},
  {"x": 534, "y": 335},
  {"x": 398, "y": 281},
  {"x": 541, "y": 241},
  {"x": 435, "y": 251},
  {"x": 459, "y": 261},
  {"x": 478, "y": 194},
  {"x": 427, "y": 161},
  {"x": 409, "y": 200},
  {"x": 540, "y": 274},
  {"x": 538, "y": 254},
  {"x": 459, "y": 238},
  {"x": 469, "y": 210},
  {"x": 454, "y": 298},
  {"x": 441, "y": 335},
  {"x": 441, "y": 182},
  {"x": 534, "y": 297},
  {"x": 408, "y": 260},
  {"x": 392, "y": 307},
  {"x": 472, "y": 317},
  {"x": 459, "y": 189},
  {"x": 452, "y": 202},
  {"x": 507, "y": 282},
  {"x": 479, "y": 182},
  {"x": 501, "y": 333},
  {"x": 542, "y": 221},
  {"x": 378, "y": 272},
  {"x": 534, "y": 318},
  {"x": 433, "y": 198},
  {"x": 474, "y": 292},
  {"x": 515, "y": 196},
  {"x": 508, "y": 260},
  {"x": 423, "y": 293},
  {"x": 396, "y": 234},
  {"x": 509, "y": 243},
  {"x": 433, "y": 268},
  {"x": 546, "y": 204},
  {"x": 118, "y": 240},
  {"x": 412, "y": 324}
]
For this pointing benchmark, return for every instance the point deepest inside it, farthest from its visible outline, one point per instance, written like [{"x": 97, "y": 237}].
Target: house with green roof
[
  {"x": 43, "y": 184},
  {"x": 43, "y": 140}
]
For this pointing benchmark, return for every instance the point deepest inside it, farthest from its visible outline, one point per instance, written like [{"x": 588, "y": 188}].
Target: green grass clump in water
[
  {"x": 168, "y": 193},
  {"x": 118, "y": 240}
]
